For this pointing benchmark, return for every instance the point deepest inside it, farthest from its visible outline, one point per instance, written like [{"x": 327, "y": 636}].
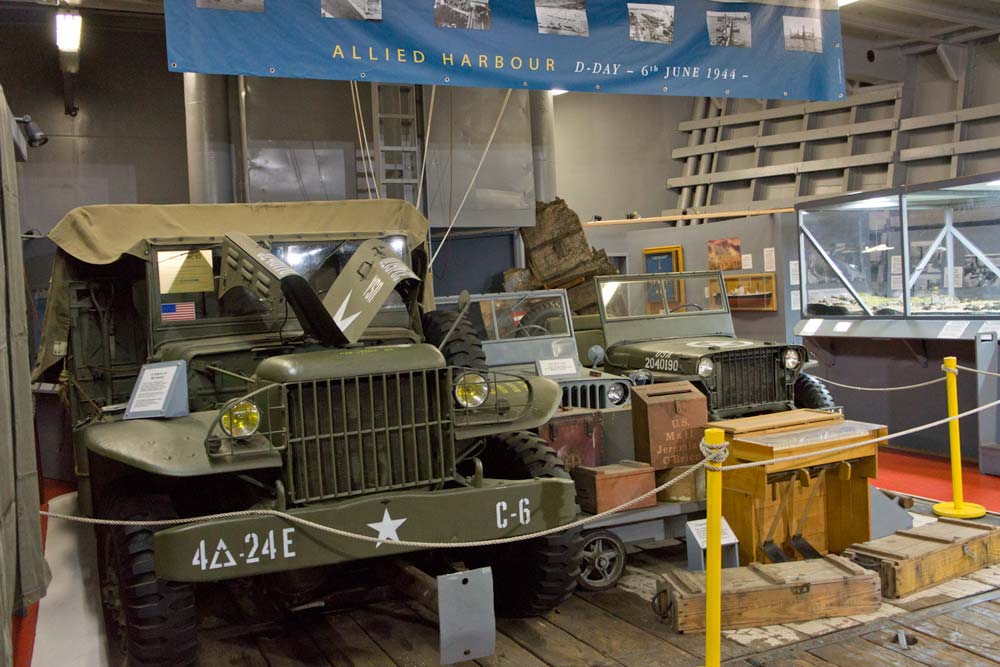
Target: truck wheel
[
  {"x": 155, "y": 620},
  {"x": 534, "y": 576},
  {"x": 538, "y": 317},
  {"x": 604, "y": 558},
  {"x": 463, "y": 348},
  {"x": 810, "y": 392}
]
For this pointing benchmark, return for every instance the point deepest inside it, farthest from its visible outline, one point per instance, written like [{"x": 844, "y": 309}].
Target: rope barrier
[
  {"x": 907, "y": 387},
  {"x": 714, "y": 455}
]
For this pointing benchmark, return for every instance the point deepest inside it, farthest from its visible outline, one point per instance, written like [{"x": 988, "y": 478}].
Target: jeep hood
[{"x": 688, "y": 347}]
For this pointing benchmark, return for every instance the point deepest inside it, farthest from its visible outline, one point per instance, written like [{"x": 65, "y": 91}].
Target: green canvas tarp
[{"x": 23, "y": 574}]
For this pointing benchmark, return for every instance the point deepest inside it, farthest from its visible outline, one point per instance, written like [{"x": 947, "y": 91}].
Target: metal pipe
[
  {"x": 206, "y": 116},
  {"x": 541, "y": 110}
]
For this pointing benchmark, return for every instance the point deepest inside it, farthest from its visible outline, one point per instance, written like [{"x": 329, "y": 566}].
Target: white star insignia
[{"x": 387, "y": 528}]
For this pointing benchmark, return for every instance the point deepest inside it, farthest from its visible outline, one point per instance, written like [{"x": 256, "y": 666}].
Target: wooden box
[
  {"x": 919, "y": 558},
  {"x": 601, "y": 488},
  {"x": 691, "y": 489},
  {"x": 576, "y": 434},
  {"x": 668, "y": 423},
  {"x": 759, "y": 595}
]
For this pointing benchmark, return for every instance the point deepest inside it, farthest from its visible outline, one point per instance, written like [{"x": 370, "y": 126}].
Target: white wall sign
[
  {"x": 748, "y": 261},
  {"x": 793, "y": 272},
  {"x": 769, "y": 259}
]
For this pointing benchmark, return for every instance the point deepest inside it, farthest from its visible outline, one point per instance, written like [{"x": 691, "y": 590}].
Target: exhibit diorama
[{"x": 532, "y": 333}]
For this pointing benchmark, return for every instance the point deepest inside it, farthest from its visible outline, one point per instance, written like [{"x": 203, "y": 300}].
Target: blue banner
[{"x": 774, "y": 49}]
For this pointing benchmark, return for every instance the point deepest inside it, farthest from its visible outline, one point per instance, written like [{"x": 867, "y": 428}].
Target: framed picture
[{"x": 663, "y": 259}]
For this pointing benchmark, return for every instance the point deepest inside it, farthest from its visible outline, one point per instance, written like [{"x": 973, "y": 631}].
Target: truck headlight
[
  {"x": 792, "y": 359},
  {"x": 241, "y": 420},
  {"x": 618, "y": 393},
  {"x": 706, "y": 367},
  {"x": 471, "y": 390},
  {"x": 641, "y": 377}
]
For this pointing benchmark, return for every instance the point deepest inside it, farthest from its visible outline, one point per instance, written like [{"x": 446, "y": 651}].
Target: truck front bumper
[{"x": 247, "y": 546}]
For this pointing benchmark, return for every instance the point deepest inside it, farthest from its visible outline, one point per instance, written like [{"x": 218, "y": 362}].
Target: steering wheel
[
  {"x": 686, "y": 306},
  {"x": 523, "y": 329}
]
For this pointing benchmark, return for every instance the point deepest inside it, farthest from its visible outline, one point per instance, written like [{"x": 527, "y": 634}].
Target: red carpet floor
[{"x": 930, "y": 477}]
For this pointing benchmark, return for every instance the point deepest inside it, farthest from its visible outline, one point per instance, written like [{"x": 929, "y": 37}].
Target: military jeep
[
  {"x": 320, "y": 382},
  {"x": 677, "y": 326}
]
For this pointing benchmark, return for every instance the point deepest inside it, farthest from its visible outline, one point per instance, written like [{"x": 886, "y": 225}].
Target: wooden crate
[
  {"x": 916, "y": 559},
  {"x": 601, "y": 488},
  {"x": 668, "y": 423},
  {"x": 759, "y": 595}
]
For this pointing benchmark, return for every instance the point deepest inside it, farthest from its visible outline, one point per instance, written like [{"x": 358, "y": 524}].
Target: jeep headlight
[
  {"x": 706, "y": 367},
  {"x": 471, "y": 390},
  {"x": 641, "y": 377},
  {"x": 618, "y": 393},
  {"x": 792, "y": 359},
  {"x": 241, "y": 420}
]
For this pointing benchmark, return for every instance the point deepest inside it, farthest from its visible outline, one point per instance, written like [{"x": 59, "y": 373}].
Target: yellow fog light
[
  {"x": 471, "y": 390},
  {"x": 241, "y": 420}
]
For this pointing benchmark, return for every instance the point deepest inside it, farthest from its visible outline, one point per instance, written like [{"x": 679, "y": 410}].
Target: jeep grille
[
  {"x": 747, "y": 378},
  {"x": 367, "y": 434},
  {"x": 588, "y": 394}
]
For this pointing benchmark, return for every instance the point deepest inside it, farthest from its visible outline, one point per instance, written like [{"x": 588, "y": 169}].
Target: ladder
[{"x": 396, "y": 148}]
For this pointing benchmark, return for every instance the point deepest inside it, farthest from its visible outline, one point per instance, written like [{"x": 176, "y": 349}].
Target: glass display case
[{"x": 918, "y": 251}]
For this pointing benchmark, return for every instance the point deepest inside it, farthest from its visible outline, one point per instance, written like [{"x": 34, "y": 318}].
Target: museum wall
[{"x": 613, "y": 152}]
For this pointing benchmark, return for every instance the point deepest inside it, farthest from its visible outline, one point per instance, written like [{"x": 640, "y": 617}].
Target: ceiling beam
[
  {"x": 938, "y": 11},
  {"x": 884, "y": 28}
]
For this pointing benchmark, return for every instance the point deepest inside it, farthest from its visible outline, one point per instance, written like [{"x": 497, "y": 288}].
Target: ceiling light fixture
[
  {"x": 69, "y": 25},
  {"x": 841, "y": 3},
  {"x": 558, "y": 91}
]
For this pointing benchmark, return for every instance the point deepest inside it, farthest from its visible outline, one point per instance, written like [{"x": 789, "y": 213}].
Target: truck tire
[
  {"x": 463, "y": 348},
  {"x": 534, "y": 576},
  {"x": 539, "y": 315},
  {"x": 810, "y": 392},
  {"x": 157, "y": 619}
]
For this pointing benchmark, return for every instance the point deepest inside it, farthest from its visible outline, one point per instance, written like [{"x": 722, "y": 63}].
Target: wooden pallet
[
  {"x": 917, "y": 559},
  {"x": 759, "y": 595}
]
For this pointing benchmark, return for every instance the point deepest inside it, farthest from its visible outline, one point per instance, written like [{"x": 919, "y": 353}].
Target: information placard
[{"x": 160, "y": 391}]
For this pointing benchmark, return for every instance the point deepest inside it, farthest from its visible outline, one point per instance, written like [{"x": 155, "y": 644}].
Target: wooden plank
[
  {"x": 950, "y": 117},
  {"x": 682, "y": 217},
  {"x": 927, "y": 649},
  {"x": 636, "y": 611},
  {"x": 801, "y": 660},
  {"x": 235, "y": 652},
  {"x": 955, "y": 630},
  {"x": 617, "y": 639},
  {"x": 828, "y": 164},
  {"x": 344, "y": 643},
  {"x": 885, "y": 95},
  {"x": 770, "y": 140},
  {"x": 857, "y": 651},
  {"x": 949, "y": 149},
  {"x": 411, "y": 641},
  {"x": 291, "y": 650},
  {"x": 552, "y": 645}
]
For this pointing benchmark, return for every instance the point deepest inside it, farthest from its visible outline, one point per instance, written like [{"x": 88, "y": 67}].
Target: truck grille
[
  {"x": 585, "y": 395},
  {"x": 355, "y": 436},
  {"x": 749, "y": 377}
]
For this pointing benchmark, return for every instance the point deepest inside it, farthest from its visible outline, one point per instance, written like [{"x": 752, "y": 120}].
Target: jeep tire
[
  {"x": 463, "y": 348},
  {"x": 810, "y": 392},
  {"x": 534, "y": 576},
  {"x": 157, "y": 620}
]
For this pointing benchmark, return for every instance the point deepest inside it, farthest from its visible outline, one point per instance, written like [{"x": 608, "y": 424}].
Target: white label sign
[
  {"x": 154, "y": 386},
  {"x": 748, "y": 261},
  {"x": 958, "y": 275},
  {"x": 769, "y": 259},
  {"x": 896, "y": 264},
  {"x": 556, "y": 367},
  {"x": 953, "y": 329},
  {"x": 796, "y": 299},
  {"x": 811, "y": 327},
  {"x": 896, "y": 281},
  {"x": 700, "y": 531},
  {"x": 793, "y": 272}
]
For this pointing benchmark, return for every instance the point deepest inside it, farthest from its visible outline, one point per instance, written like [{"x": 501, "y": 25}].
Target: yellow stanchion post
[
  {"x": 957, "y": 508},
  {"x": 714, "y": 437}
]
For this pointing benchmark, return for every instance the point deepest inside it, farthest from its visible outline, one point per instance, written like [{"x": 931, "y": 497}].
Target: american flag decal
[{"x": 177, "y": 312}]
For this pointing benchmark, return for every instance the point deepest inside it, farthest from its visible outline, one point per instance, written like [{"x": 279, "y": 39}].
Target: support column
[
  {"x": 209, "y": 157},
  {"x": 541, "y": 108}
]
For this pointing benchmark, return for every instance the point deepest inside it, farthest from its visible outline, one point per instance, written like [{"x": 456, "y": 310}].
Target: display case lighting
[{"x": 69, "y": 25}]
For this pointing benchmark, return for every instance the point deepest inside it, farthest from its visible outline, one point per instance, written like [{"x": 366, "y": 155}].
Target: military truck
[
  {"x": 666, "y": 327},
  {"x": 310, "y": 375}
]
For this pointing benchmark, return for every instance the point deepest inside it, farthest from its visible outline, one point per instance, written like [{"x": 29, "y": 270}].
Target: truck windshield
[
  {"x": 663, "y": 295},
  {"x": 518, "y": 316},
  {"x": 188, "y": 279}
]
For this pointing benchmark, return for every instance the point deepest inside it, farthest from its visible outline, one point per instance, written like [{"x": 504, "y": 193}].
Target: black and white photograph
[
  {"x": 562, "y": 17},
  {"x": 468, "y": 14},
  {"x": 729, "y": 29},
  {"x": 232, "y": 5},
  {"x": 651, "y": 23},
  {"x": 359, "y": 10},
  {"x": 803, "y": 33}
]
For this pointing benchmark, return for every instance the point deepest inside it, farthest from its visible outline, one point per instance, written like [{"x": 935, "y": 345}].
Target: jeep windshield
[
  {"x": 661, "y": 295},
  {"x": 186, "y": 281}
]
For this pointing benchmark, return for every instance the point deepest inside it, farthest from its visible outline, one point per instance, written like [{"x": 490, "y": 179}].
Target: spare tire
[
  {"x": 811, "y": 393},
  {"x": 463, "y": 347}
]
